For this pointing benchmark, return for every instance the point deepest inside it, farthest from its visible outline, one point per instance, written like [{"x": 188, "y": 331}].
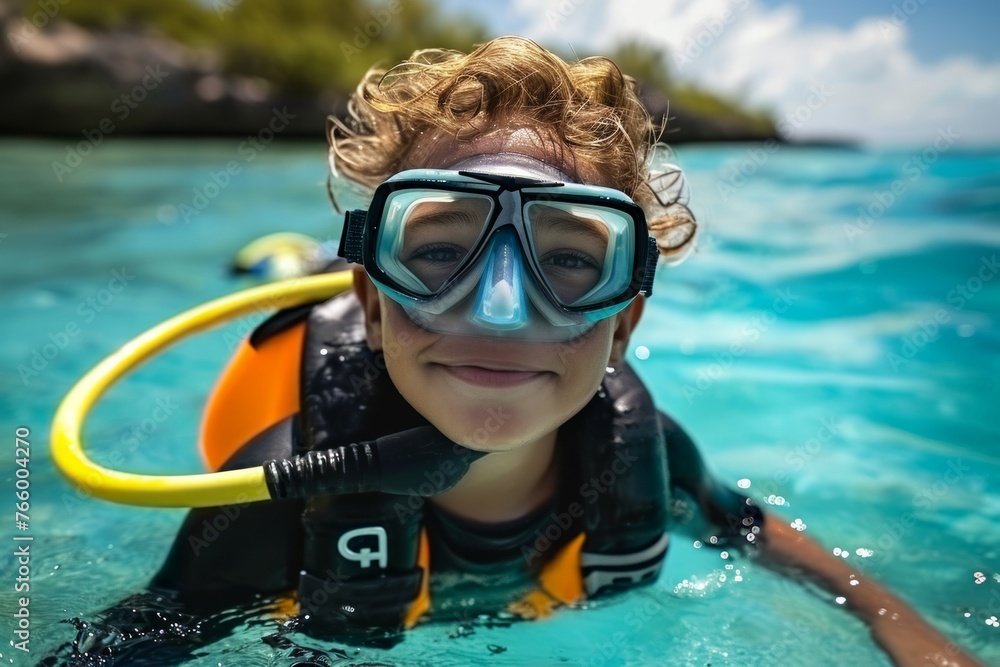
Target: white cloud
[{"x": 875, "y": 89}]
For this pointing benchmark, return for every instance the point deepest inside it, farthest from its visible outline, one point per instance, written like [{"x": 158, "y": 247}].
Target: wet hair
[{"x": 589, "y": 106}]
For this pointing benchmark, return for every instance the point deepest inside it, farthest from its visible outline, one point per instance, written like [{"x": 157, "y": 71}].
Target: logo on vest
[{"x": 365, "y": 556}]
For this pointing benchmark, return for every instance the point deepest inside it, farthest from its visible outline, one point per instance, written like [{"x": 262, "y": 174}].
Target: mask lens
[
  {"x": 584, "y": 251},
  {"x": 427, "y": 235}
]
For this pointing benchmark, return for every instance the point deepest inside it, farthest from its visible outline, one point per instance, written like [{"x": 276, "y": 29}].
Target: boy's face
[{"x": 490, "y": 393}]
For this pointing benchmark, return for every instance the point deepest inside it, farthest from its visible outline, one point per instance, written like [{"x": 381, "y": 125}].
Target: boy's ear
[
  {"x": 367, "y": 294},
  {"x": 625, "y": 322}
]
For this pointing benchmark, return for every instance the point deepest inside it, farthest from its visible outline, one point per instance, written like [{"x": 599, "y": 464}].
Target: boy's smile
[{"x": 456, "y": 381}]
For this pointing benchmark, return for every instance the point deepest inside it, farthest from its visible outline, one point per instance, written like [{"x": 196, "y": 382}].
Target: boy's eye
[
  {"x": 438, "y": 253},
  {"x": 569, "y": 260},
  {"x": 570, "y": 273},
  {"x": 434, "y": 263}
]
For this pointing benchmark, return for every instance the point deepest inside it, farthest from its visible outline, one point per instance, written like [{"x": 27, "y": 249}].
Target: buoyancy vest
[{"x": 367, "y": 558}]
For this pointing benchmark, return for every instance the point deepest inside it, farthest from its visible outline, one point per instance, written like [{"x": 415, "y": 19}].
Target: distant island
[{"x": 93, "y": 68}]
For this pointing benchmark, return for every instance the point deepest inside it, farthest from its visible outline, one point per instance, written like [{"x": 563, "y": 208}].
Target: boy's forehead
[
  {"x": 513, "y": 164},
  {"x": 439, "y": 150}
]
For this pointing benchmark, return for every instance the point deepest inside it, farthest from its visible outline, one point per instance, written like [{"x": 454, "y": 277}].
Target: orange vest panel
[{"x": 259, "y": 388}]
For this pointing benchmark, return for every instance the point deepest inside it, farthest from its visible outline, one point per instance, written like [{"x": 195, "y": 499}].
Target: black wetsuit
[{"x": 233, "y": 555}]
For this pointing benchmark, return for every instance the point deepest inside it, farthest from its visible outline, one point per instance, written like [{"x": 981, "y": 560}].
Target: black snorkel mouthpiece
[{"x": 419, "y": 461}]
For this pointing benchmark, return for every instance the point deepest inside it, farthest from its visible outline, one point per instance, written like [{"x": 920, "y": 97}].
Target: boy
[{"x": 504, "y": 253}]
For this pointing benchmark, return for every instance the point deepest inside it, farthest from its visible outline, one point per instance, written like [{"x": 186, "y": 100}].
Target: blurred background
[{"x": 832, "y": 345}]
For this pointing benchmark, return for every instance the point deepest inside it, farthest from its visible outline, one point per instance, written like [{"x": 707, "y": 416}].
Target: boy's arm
[
  {"x": 895, "y": 626},
  {"x": 899, "y": 630}
]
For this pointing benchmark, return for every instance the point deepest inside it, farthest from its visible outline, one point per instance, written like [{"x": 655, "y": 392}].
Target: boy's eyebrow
[
  {"x": 442, "y": 218},
  {"x": 558, "y": 221},
  {"x": 445, "y": 213}
]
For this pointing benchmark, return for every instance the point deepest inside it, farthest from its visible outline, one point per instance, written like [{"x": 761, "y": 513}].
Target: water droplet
[
  {"x": 841, "y": 599},
  {"x": 642, "y": 352},
  {"x": 743, "y": 483},
  {"x": 723, "y": 555},
  {"x": 324, "y": 351},
  {"x": 697, "y": 544}
]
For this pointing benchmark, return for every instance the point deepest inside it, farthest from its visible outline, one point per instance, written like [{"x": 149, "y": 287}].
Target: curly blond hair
[{"x": 590, "y": 106}]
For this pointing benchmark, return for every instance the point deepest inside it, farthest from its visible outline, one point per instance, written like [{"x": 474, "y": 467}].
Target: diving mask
[{"x": 502, "y": 251}]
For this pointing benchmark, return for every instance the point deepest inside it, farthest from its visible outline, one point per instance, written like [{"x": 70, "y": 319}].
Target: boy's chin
[{"x": 489, "y": 442}]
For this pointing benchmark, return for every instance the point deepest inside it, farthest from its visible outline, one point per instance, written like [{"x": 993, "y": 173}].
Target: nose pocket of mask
[{"x": 501, "y": 300}]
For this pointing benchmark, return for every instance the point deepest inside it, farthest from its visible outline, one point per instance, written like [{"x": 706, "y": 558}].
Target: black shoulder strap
[
  {"x": 729, "y": 512},
  {"x": 360, "y": 554},
  {"x": 208, "y": 559},
  {"x": 280, "y": 321},
  {"x": 623, "y": 464}
]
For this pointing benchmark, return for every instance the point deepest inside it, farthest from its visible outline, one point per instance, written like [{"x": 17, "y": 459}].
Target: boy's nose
[{"x": 500, "y": 299}]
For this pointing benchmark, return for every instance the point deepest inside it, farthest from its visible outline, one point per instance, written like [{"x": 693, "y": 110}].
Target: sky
[{"x": 883, "y": 72}]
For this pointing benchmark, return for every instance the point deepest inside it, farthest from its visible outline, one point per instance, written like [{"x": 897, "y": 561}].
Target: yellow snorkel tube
[
  {"x": 205, "y": 490},
  {"x": 391, "y": 464}
]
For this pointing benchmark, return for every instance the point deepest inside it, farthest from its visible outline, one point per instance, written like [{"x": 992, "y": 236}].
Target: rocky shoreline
[{"x": 61, "y": 80}]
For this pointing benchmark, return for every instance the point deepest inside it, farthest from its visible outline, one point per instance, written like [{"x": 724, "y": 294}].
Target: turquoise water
[{"x": 844, "y": 364}]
